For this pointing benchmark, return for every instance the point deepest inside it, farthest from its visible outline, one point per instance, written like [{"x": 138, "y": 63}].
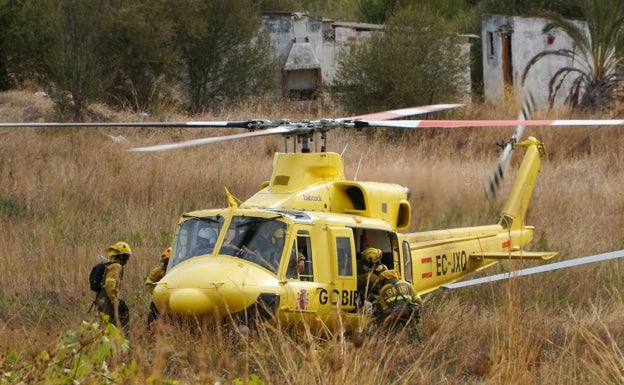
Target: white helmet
[{"x": 208, "y": 233}]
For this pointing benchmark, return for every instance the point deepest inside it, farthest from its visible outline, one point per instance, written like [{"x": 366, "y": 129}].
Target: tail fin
[{"x": 515, "y": 207}]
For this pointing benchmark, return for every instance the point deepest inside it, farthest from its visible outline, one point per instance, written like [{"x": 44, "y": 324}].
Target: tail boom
[{"x": 442, "y": 257}]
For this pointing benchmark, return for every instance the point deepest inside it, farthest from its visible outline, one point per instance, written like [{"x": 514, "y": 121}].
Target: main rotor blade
[
  {"x": 403, "y": 112},
  {"x": 538, "y": 269},
  {"x": 241, "y": 124},
  {"x": 357, "y": 123},
  {"x": 215, "y": 139},
  {"x": 484, "y": 123}
]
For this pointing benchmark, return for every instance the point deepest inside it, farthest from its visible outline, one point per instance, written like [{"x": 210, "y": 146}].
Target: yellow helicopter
[{"x": 291, "y": 253}]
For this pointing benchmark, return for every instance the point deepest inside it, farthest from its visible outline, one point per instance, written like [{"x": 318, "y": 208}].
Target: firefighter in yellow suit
[
  {"x": 152, "y": 278},
  {"x": 369, "y": 268},
  {"x": 107, "y": 300},
  {"x": 397, "y": 302}
]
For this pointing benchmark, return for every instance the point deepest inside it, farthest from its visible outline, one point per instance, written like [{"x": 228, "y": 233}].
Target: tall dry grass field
[{"x": 65, "y": 194}]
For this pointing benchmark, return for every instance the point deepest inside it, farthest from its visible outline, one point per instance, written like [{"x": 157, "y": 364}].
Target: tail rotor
[{"x": 496, "y": 178}]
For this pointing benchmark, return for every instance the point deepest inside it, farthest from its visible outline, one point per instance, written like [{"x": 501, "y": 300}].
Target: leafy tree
[
  {"x": 141, "y": 50},
  {"x": 24, "y": 38},
  {"x": 5, "y": 82},
  {"x": 77, "y": 62},
  {"x": 337, "y": 9},
  {"x": 597, "y": 56},
  {"x": 378, "y": 11},
  {"x": 525, "y": 7},
  {"x": 225, "y": 57},
  {"x": 416, "y": 60},
  {"x": 278, "y": 5}
]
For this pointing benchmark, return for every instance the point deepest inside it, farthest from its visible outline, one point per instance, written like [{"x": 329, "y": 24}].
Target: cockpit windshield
[
  {"x": 258, "y": 240},
  {"x": 197, "y": 236}
]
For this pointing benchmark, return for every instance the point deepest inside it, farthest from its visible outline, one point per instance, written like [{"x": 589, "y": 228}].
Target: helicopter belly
[{"x": 212, "y": 286}]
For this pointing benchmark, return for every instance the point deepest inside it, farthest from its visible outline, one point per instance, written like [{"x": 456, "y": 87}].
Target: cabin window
[
  {"x": 344, "y": 256},
  {"x": 300, "y": 263},
  {"x": 300, "y": 260},
  {"x": 305, "y": 247},
  {"x": 407, "y": 262},
  {"x": 194, "y": 237}
]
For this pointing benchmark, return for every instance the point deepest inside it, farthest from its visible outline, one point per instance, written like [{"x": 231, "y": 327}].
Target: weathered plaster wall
[{"x": 527, "y": 40}]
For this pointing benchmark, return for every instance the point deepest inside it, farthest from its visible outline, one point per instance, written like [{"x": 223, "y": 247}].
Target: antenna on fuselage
[
  {"x": 358, "y": 167},
  {"x": 344, "y": 150}
]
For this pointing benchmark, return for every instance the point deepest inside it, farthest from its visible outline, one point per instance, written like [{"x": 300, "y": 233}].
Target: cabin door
[{"x": 343, "y": 269}]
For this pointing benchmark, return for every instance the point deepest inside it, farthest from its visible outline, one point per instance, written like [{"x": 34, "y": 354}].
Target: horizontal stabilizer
[
  {"x": 538, "y": 269},
  {"x": 520, "y": 254}
]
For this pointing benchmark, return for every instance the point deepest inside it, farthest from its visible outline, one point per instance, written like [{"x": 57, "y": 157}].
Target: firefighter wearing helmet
[
  {"x": 369, "y": 270},
  {"x": 107, "y": 300},
  {"x": 152, "y": 278},
  {"x": 159, "y": 271},
  {"x": 371, "y": 255},
  {"x": 397, "y": 302}
]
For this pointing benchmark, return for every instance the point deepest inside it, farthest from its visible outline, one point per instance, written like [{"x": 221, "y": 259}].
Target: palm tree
[{"x": 598, "y": 55}]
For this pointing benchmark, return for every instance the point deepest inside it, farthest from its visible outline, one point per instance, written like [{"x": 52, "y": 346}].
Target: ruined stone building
[{"x": 306, "y": 50}]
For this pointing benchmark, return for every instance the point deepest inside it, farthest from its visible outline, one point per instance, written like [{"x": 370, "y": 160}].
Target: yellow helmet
[
  {"x": 119, "y": 248},
  {"x": 371, "y": 255},
  {"x": 166, "y": 255}
]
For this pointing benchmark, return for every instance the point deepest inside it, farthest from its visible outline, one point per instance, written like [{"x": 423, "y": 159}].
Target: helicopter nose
[
  {"x": 189, "y": 300},
  {"x": 211, "y": 285}
]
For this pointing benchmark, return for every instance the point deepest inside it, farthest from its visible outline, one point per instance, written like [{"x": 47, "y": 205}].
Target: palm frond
[{"x": 598, "y": 53}]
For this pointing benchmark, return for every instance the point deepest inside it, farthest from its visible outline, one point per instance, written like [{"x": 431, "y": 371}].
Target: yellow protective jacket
[
  {"x": 112, "y": 281},
  {"x": 154, "y": 276},
  {"x": 370, "y": 281},
  {"x": 396, "y": 292}
]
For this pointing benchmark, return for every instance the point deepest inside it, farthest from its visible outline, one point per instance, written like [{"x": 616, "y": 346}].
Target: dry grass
[{"x": 67, "y": 193}]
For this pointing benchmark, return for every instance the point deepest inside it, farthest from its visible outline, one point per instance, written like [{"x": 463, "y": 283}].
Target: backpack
[{"x": 97, "y": 276}]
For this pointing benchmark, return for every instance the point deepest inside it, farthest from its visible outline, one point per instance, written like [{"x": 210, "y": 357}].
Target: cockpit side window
[
  {"x": 194, "y": 237},
  {"x": 407, "y": 262},
  {"x": 300, "y": 262}
]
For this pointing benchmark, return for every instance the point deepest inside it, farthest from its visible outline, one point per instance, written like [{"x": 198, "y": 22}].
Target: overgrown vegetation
[
  {"x": 145, "y": 55},
  {"x": 419, "y": 51},
  {"x": 80, "y": 191},
  {"x": 166, "y": 57}
]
